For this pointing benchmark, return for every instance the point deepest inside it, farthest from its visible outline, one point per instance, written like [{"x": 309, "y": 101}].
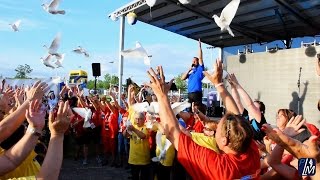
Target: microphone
[{"x": 299, "y": 77}]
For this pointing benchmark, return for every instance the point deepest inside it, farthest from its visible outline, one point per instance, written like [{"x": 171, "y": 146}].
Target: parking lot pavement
[{"x": 72, "y": 169}]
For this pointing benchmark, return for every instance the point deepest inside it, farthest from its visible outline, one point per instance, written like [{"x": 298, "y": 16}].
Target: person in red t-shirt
[
  {"x": 76, "y": 125},
  {"x": 239, "y": 157},
  {"x": 112, "y": 133},
  {"x": 194, "y": 121}
]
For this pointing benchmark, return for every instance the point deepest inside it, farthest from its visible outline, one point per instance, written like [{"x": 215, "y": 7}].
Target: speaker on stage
[{"x": 96, "y": 69}]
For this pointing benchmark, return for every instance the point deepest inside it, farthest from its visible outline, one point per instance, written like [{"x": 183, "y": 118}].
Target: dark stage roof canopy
[{"x": 256, "y": 21}]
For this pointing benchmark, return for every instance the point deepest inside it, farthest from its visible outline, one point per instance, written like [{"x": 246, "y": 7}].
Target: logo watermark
[{"x": 307, "y": 166}]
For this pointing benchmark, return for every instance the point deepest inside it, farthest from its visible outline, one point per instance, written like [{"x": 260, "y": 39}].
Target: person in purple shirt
[{"x": 195, "y": 76}]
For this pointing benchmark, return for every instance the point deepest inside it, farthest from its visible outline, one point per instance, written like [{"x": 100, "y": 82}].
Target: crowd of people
[{"x": 151, "y": 134}]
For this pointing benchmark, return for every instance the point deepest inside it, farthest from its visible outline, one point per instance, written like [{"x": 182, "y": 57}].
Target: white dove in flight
[
  {"x": 52, "y": 7},
  {"x": 59, "y": 60},
  {"x": 53, "y": 49},
  {"x": 46, "y": 61},
  {"x": 177, "y": 107},
  {"x": 137, "y": 52},
  {"x": 81, "y": 50},
  {"x": 15, "y": 25},
  {"x": 78, "y": 50},
  {"x": 145, "y": 107},
  {"x": 86, "y": 113},
  {"x": 226, "y": 16}
]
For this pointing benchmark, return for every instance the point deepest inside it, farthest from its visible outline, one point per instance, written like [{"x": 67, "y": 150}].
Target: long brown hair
[{"x": 288, "y": 113}]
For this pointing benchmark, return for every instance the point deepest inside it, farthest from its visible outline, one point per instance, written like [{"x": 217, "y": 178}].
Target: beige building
[{"x": 273, "y": 77}]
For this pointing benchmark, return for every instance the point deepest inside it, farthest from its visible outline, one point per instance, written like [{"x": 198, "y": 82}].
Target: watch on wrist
[{"x": 34, "y": 131}]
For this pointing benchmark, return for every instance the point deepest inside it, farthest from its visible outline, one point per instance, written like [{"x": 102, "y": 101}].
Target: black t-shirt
[{"x": 258, "y": 134}]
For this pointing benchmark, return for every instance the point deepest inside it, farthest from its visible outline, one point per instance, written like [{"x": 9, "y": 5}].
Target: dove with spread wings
[{"x": 227, "y": 16}]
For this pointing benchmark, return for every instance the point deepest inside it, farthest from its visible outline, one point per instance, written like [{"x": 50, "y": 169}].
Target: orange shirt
[{"x": 202, "y": 163}]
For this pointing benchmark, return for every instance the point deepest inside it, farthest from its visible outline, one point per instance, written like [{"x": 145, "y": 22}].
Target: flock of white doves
[
  {"x": 223, "y": 22},
  {"x": 47, "y": 60}
]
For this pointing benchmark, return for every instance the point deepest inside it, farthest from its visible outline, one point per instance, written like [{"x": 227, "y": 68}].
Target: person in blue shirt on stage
[{"x": 195, "y": 76}]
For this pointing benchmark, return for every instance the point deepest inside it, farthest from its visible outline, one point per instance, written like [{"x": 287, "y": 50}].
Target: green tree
[
  {"x": 110, "y": 80},
  {"x": 181, "y": 84},
  {"x": 90, "y": 84},
  {"x": 23, "y": 71},
  {"x": 105, "y": 83}
]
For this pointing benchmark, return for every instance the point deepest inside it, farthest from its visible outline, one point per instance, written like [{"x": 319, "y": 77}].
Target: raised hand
[
  {"x": 58, "y": 125},
  {"x": 113, "y": 95},
  {"x": 267, "y": 142},
  {"x": 3, "y": 85},
  {"x": 233, "y": 80},
  {"x": 35, "y": 116},
  {"x": 216, "y": 78},
  {"x": 37, "y": 91},
  {"x": 18, "y": 96},
  {"x": 157, "y": 82},
  {"x": 307, "y": 149},
  {"x": 293, "y": 127},
  {"x": 5, "y": 99}
]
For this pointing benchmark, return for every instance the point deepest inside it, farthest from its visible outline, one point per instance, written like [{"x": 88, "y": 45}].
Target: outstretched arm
[
  {"x": 13, "y": 157},
  {"x": 168, "y": 119},
  {"x": 252, "y": 109},
  {"x": 131, "y": 95},
  {"x": 9, "y": 124},
  {"x": 275, "y": 162},
  {"x": 236, "y": 96},
  {"x": 51, "y": 166},
  {"x": 200, "y": 54}
]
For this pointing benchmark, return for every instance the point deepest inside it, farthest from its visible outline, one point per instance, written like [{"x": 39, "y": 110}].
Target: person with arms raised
[
  {"x": 239, "y": 157},
  {"x": 195, "y": 76}
]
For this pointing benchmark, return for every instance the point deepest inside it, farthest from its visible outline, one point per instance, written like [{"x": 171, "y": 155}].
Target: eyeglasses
[{"x": 207, "y": 129}]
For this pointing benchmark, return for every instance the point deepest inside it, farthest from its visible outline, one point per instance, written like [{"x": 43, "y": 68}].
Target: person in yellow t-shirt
[
  {"x": 206, "y": 139},
  {"x": 28, "y": 167},
  {"x": 139, "y": 153},
  {"x": 163, "y": 168}
]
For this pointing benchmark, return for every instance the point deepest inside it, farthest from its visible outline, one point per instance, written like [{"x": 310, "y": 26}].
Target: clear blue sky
[{"x": 85, "y": 23}]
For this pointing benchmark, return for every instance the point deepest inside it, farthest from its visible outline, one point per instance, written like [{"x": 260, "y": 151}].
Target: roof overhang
[{"x": 256, "y": 21}]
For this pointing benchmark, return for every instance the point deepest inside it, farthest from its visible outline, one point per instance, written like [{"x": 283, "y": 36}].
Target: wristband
[
  {"x": 34, "y": 131},
  {"x": 217, "y": 85}
]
